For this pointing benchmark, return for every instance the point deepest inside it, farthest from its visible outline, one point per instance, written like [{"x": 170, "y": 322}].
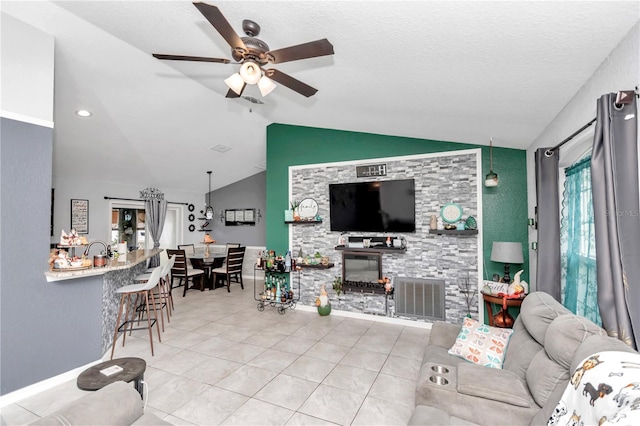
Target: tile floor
[{"x": 221, "y": 361}]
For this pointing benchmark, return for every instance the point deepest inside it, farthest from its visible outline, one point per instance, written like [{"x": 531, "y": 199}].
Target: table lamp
[{"x": 506, "y": 253}]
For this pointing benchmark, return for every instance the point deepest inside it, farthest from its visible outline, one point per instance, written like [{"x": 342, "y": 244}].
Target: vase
[{"x": 324, "y": 310}]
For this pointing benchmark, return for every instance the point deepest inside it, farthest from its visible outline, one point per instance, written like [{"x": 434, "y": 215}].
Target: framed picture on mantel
[{"x": 80, "y": 216}]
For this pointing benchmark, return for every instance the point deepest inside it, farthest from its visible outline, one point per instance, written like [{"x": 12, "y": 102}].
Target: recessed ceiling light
[
  {"x": 83, "y": 113},
  {"x": 220, "y": 148}
]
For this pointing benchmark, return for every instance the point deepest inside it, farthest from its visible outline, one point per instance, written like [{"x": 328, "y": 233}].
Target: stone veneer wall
[{"x": 439, "y": 179}]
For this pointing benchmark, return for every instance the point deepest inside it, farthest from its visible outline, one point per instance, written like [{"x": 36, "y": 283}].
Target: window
[
  {"x": 577, "y": 234},
  {"x": 128, "y": 223}
]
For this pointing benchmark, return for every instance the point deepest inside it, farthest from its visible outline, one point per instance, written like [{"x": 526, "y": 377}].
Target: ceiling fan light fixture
[
  {"x": 266, "y": 85},
  {"x": 250, "y": 72},
  {"x": 235, "y": 83}
]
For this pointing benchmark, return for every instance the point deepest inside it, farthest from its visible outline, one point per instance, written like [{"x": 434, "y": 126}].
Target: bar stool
[
  {"x": 164, "y": 289},
  {"x": 129, "y": 297}
]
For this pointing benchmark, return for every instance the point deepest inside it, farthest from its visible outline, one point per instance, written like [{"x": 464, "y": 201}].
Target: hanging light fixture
[
  {"x": 250, "y": 73},
  {"x": 208, "y": 212},
  {"x": 491, "y": 179}
]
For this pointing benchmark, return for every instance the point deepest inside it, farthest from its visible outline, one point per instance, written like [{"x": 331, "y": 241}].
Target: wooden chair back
[
  {"x": 188, "y": 248},
  {"x": 180, "y": 264},
  {"x": 235, "y": 257}
]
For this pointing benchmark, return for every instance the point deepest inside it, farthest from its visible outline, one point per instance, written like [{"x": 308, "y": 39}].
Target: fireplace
[{"x": 361, "y": 272}]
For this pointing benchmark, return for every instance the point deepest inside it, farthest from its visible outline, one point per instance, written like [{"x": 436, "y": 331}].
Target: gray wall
[
  {"x": 440, "y": 178},
  {"x": 249, "y": 193},
  {"x": 39, "y": 321}
]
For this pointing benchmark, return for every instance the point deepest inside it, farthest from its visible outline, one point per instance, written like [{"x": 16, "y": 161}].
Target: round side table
[
  {"x": 133, "y": 369},
  {"x": 489, "y": 300}
]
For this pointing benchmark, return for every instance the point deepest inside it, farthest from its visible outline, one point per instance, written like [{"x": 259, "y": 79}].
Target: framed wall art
[{"x": 80, "y": 216}]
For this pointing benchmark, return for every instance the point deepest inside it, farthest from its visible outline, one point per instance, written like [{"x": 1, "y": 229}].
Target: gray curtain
[
  {"x": 548, "y": 212},
  {"x": 156, "y": 212},
  {"x": 616, "y": 211}
]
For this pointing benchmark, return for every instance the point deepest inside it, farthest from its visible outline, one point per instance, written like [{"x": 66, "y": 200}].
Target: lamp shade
[
  {"x": 266, "y": 86},
  {"x": 250, "y": 72},
  {"x": 506, "y": 252},
  {"x": 235, "y": 83}
]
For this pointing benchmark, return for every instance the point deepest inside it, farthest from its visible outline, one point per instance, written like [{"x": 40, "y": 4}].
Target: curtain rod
[
  {"x": 549, "y": 152},
  {"x": 623, "y": 97},
  {"x": 134, "y": 199}
]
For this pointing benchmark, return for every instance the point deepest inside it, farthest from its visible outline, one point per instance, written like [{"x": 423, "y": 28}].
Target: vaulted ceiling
[{"x": 445, "y": 70}]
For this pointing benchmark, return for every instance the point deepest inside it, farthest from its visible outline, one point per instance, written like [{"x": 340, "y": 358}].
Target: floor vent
[{"x": 419, "y": 298}]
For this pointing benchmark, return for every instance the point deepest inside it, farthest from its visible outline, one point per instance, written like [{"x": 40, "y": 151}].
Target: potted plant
[
  {"x": 337, "y": 284},
  {"x": 294, "y": 207}
]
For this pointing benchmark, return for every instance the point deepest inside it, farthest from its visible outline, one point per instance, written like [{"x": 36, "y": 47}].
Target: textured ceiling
[{"x": 454, "y": 71}]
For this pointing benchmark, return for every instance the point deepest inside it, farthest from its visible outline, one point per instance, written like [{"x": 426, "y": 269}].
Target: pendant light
[
  {"x": 208, "y": 212},
  {"x": 491, "y": 179}
]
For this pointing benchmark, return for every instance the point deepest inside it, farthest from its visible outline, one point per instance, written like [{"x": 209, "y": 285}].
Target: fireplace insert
[{"x": 361, "y": 272}]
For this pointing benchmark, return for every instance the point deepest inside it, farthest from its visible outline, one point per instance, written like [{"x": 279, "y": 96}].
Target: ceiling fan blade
[
  {"x": 220, "y": 23},
  {"x": 312, "y": 49},
  {"x": 190, "y": 58},
  {"x": 290, "y": 82},
  {"x": 232, "y": 94}
]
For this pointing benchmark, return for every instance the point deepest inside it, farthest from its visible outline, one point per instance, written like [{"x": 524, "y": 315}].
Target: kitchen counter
[
  {"x": 133, "y": 258},
  {"x": 109, "y": 279}
]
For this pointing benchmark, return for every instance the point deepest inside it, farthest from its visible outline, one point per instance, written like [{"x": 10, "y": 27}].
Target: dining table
[{"x": 207, "y": 264}]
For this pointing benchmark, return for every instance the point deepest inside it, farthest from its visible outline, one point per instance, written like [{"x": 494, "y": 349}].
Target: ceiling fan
[{"x": 253, "y": 54}]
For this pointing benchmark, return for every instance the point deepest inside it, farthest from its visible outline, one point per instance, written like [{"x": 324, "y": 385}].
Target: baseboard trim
[
  {"x": 375, "y": 318},
  {"x": 27, "y": 391}
]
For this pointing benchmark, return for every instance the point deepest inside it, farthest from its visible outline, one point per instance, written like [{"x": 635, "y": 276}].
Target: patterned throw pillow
[{"x": 481, "y": 344}]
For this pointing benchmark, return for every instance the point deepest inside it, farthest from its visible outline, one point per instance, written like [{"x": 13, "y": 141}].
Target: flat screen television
[{"x": 380, "y": 206}]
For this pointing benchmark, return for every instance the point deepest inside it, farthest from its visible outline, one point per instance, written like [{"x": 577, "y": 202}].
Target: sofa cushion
[
  {"x": 118, "y": 402},
  {"x": 549, "y": 368},
  {"x": 543, "y": 376},
  {"x": 443, "y": 334},
  {"x": 565, "y": 334},
  {"x": 498, "y": 385},
  {"x": 481, "y": 344},
  {"x": 425, "y": 415},
  {"x": 521, "y": 350},
  {"x": 537, "y": 311}
]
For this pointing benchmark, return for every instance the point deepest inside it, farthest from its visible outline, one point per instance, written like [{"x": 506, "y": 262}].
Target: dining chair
[
  {"x": 181, "y": 271},
  {"x": 236, "y": 277},
  {"x": 188, "y": 248},
  {"x": 233, "y": 267}
]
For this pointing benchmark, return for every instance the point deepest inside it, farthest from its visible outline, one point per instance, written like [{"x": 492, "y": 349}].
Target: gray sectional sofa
[
  {"x": 547, "y": 344},
  {"x": 116, "y": 404}
]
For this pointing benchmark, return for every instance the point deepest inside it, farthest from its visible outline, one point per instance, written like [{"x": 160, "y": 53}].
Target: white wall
[
  {"x": 99, "y": 212},
  {"x": 619, "y": 71},
  {"x": 26, "y": 70}
]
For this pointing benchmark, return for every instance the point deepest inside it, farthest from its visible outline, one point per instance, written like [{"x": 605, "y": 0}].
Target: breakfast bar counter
[
  {"x": 111, "y": 277},
  {"x": 133, "y": 258}
]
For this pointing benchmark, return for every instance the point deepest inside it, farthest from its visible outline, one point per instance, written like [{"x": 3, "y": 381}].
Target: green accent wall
[{"x": 504, "y": 208}]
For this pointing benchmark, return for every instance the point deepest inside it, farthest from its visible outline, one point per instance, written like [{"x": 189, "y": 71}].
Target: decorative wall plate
[
  {"x": 191, "y": 207},
  {"x": 308, "y": 209},
  {"x": 451, "y": 212}
]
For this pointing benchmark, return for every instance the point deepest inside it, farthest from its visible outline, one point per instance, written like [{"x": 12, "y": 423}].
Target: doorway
[{"x": 128, "y": 226}]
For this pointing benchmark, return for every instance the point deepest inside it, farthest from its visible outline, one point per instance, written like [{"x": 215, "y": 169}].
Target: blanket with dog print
[{"x": 604, "y": 390}]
